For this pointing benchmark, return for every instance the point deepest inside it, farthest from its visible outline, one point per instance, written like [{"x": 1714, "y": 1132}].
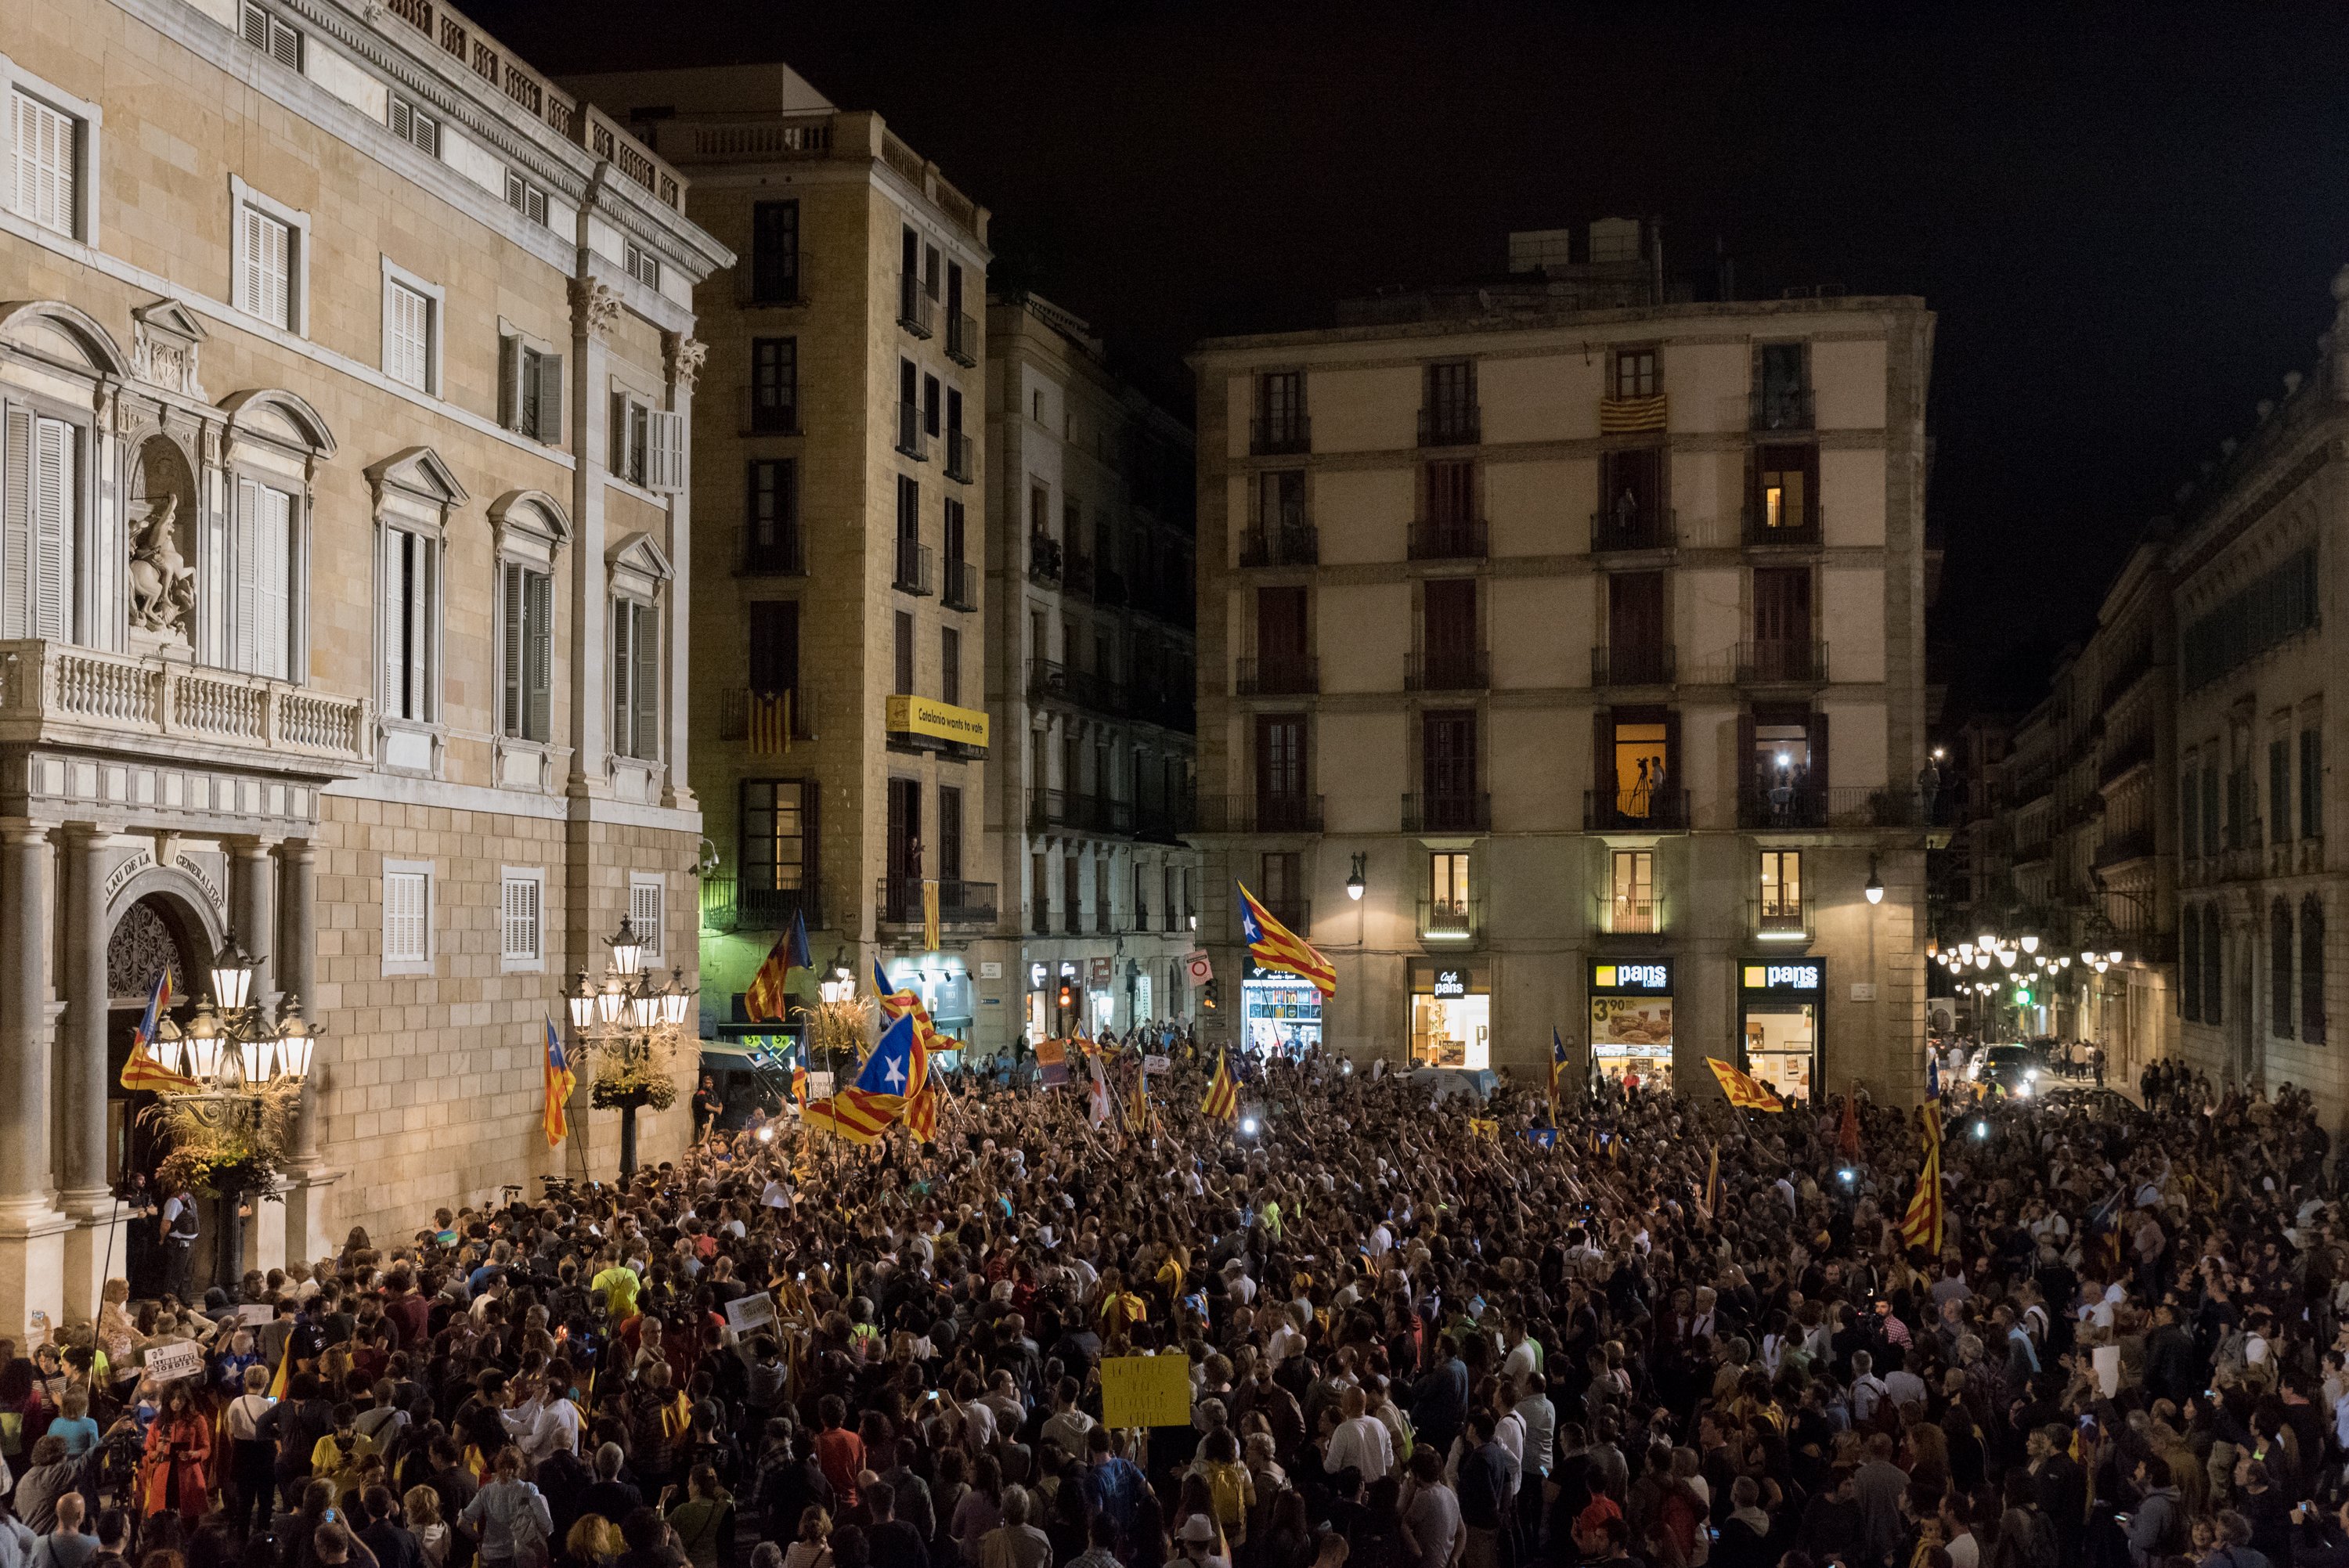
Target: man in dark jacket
[
  {"x": 2172, "y": 1369},
  {"x": 894, "y": 1542},
  {"x": 1439, "y": 1404},
  {"x": 295, "y": 1428}
]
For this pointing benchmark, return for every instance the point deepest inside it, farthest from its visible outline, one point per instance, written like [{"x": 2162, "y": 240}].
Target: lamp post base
[{"x": 628, "y": 1144}]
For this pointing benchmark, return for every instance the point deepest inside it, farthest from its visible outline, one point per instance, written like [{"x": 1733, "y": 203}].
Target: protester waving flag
[
  {"x": 765, "y": 1001},
  {"x": 1097, "y": 1098},
  {"x": 1921, "y": 1226},
  {"x": 1223, "y": 1101},
  {"x": 1557, "y": 1069},
  {"x": 1275, "y": 946},
  {"x": 893, "y": 1075}
]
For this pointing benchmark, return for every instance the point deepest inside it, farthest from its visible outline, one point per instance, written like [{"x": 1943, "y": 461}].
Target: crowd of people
[{"x": 1662, "y": 1334}]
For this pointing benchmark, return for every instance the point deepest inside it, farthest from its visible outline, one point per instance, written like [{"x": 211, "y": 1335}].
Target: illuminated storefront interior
[{"x": 1631, "y": 1020}]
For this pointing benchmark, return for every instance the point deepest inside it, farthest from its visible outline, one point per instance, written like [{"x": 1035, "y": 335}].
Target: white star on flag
[{"x": 897, "y": 1073}]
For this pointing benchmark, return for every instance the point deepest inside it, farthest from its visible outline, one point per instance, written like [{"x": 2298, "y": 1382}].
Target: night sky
[{"x": 2127, "y": 218}]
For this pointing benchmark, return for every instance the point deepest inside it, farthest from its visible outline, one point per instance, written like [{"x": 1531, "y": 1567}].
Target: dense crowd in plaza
[{"x": 1417, "y": 1334}]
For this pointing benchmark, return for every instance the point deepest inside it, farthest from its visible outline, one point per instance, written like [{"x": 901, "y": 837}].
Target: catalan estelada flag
[
  {"x": 560, "y": 1080},
  {"x": 765, "y": 1001},
  {"x": 1275, "y": 946},
  {"x": 768, "y": 725},
  {"x": 1745, "y": 1091},
  {"x": 1921, "y": 1226},
  {"x": 922, "y": 1114},
  {"x": 904, "y": 1002},
  {"x": 893, "y": 1075},
  {"x": 1223, "y": 1101},
  {"x": 142, "y": 1070},
  {"x": 1557, "y": 1069}
]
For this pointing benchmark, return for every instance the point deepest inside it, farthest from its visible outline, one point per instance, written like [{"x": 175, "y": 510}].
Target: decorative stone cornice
[
  {"x": 593, "y": 305},
  {"x": 683, "y": 355}
]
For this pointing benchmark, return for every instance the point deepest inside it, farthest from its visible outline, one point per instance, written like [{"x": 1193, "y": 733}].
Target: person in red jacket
[
  {"x": 840, "y": 1452},
  {"x": 173, "y": 1479}
]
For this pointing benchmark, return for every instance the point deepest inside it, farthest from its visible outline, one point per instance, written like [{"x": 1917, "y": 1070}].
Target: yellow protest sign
[{"x": 1146, "y": 1391}]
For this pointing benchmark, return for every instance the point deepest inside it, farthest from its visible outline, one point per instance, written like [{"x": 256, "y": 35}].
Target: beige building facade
[
  {"x": 841, "y": 737},
  {"x": 1581, "y": 631},
  {"x": 1091, "y": 668},
  {"x": 347, "y": 370}
]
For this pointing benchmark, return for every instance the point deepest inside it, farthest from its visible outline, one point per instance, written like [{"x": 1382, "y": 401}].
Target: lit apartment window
[
  {"x": 416, "y": 125},
  {"x": 45, "y": 187},
  {"x": 411, "y": 330},
  {"x": 525, "y": 198},
  {"x": 636, "y": 679},
  {"x": 407, "y": 917},
  {"x": 521, "y": 899},
  {"x": 1633, "y": 907},
  {"x": 273, "y": 37},
  {"x": 1782, "y": 890},
  {"x": 642, "y": 264},
  {"x": 526, "y": 652}
]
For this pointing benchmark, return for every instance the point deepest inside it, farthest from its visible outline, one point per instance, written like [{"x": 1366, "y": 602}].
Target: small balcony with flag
[{"x": 766, "y": 722}]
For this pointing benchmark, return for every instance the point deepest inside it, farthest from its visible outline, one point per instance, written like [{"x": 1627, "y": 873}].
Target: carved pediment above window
[{"x": 166, "y": 344}]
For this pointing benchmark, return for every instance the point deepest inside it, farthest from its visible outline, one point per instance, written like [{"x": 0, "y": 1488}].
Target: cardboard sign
[
  {"x": 745, "y": 1313},
  {"x": 253, "y": 1314},
  {"x": 1155, "y": 1063},
  {"x": 1146, "y": 1391},
  {"x": 170, "y": 1363}
]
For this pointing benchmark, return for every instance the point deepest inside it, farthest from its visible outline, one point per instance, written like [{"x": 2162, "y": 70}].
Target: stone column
[
  {"x": 683, "y": 355},
  {"x": 306, "y": 1234},
  {"x": 32, "y": 1232},
  {"x": 252, "y": 889},
  {"x": 91, "y": 1250}
]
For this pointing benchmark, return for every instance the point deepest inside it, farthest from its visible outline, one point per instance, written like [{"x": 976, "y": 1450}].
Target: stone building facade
[
  {"x": 346, "y": 367},
  {"x": 839, "y": 746},
  {"x": 1526, "y": 611},
  {"x": 1091, "y": 663}
]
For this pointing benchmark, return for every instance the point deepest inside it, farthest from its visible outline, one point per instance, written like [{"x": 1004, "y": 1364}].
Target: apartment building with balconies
[
  {"x": 346, "y": 368},
  {"x": 1527, "y": 609},
  {"x": 2258, "y": 640},
  {"x": 1092, "y": 663},
  {"x": 842, "y": 735}
]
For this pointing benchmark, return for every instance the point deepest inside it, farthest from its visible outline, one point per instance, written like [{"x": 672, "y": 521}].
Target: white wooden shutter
[
  {"x": 406, "y": 902},
  {"x": 665, "y": 451},
  {"x": 393, "y": 618},
  {"x": 645, "y": 689},
  {"x": 43, "y": 139},
  {"x": 548, "y": 424},
  {"x": 256, "y": 27},
  {"x": 244, "y": 614},
  {"x": 645, "y": 914},
  {"x": 268, "y": 262},
  {"x": 538, "y": 652},
  {"x": 408, "y": 336},
  {"x": 55, "y": 491},
  {"x": 16, "y": 525},
  {"x": 273, "y": 598},
  {"x": 510, "y": 645},
  {"x": 519, "y": 918},
  {"x": 622, "y": 666},
  {"x": 514, "y": 394}
]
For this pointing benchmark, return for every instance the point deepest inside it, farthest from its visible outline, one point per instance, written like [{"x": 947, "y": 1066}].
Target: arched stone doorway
[{"x": 153, "y": 933}]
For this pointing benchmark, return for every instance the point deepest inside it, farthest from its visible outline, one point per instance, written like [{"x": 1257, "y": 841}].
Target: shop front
[
  {"x": 1631, "y": 1021},
  {"x": 944, "y": 984},
  {"x": 1451, "y": 1016},
  {"x": 1780, "y": 1015},
  {"x": 1278, "y": 1012}
]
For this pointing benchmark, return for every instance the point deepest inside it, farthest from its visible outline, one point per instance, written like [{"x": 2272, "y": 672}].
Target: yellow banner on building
[{"x": 936, "y": 721}]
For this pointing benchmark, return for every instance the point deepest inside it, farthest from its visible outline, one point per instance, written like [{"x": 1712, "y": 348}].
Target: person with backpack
[{"x": 2156, "y": 1530}]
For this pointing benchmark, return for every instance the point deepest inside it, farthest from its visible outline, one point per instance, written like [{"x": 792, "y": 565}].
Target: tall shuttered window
[
  {"x": 636, "y": 679},
  {"x": 2311, "y": 784},
  {"x": 46, "y": 161},
  {"x": 264, "y": 616},
  {"x": 407, "y": 335},
  {"x": 43, "y": 479},
  {"x": 277, "y": 40},
  {"x": 265, "y": 285},
  {"x": 409, "y": 624},
  {"x": 526, "y": 653},
  {"x": 531, "y": 389}
]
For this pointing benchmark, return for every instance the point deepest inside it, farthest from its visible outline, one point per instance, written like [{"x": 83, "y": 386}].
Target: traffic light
[
  {"x": 1068, "y": 995},
  {"x": 1213, "y": 998},
  {"x": 2022, "y": 995}
]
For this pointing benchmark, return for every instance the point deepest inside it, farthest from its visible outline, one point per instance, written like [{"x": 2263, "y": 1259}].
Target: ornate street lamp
[
  {"x": 229, "y": 1130},
  {"x": 635, "y": 1023}
]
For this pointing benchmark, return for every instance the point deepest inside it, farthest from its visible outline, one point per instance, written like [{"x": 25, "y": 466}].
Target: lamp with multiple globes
[{"x": 624, "y": 1016}]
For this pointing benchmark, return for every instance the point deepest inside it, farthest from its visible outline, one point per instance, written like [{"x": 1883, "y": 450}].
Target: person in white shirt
[
  {"x": 1361, "y": 1441},
  {"x": 1289, "y": 1339},
  {"x": 1237, "y": 1281},
  {"x": 1540, "y": 1419},
  {"x": 1524, "y": 1359},
  {"x": 546, "y": 1424}
]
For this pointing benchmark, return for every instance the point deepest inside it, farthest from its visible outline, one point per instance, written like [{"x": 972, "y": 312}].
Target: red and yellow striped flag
[
  {"x": 770, "y": 724},
  {"x": 1275, "y": 946},
  {"x": 1223, "y": 1101}
]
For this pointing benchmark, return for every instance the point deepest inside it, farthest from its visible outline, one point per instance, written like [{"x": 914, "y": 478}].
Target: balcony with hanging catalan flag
[{"x": 1627, "y": 415}]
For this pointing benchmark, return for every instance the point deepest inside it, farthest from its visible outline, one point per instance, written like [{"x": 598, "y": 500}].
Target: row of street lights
[{"x": 625, "y": 1017}]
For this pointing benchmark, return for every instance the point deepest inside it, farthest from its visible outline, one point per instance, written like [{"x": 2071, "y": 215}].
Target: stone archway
[{"x": 152, "y": 930}]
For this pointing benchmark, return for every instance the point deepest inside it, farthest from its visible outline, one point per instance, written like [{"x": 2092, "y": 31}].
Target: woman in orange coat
[{"x": 178, "y": 1448}]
